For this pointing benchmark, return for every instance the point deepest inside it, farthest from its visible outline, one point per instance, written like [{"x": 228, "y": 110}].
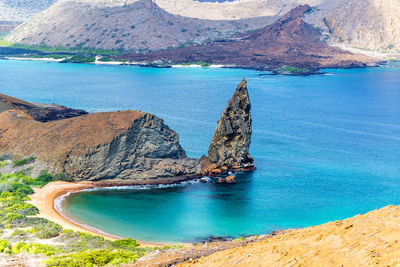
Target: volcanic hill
[{"x": 289, "y": 41}]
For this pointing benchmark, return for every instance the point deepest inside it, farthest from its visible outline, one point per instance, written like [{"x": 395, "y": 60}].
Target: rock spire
[{"x": 229, "y": 148}]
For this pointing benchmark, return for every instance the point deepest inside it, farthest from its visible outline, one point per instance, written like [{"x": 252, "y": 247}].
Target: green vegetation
[
  {"x": 202, "y": 64},
  {"x": 4, "y": 43},
  {"x": 4, "y": 163},
  {"x": 294, "y": 69},
  {"x": 36, "y": 249},
  {"x": 79, "y": 49},
  {"x": 23, "y": 161},
  {"x": 5, "y": 246},
  {"x": 79, "y": 59},
  {"x": 77, "y": 249},
  {"x": 104, "y": 59},
  {"x": 93, "y": 258}
]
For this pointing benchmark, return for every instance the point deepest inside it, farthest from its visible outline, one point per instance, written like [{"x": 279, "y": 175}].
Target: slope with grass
[{"x": 28, "y": 240}]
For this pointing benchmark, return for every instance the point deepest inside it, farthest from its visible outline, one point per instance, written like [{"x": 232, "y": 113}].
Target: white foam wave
[{"x": 146, "y": 187}]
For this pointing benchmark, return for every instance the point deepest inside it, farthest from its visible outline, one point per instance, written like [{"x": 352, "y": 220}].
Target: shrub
[
  {"x": 294, "y": 69},
  {"x": 5, "y": 246},
  {"x": 43, "y": 179},
  {"x": 93, "y": 258},
  {"x": 125, "y": 244},
  {"x": 18, "y": 232},
  {"x": 79, "y": 59},
  {"x": 36, "y": 249},
  {"x": 3, "y": 163},
  {"x": 24, "y": 161},
  {"x": 47, "y": 230}
]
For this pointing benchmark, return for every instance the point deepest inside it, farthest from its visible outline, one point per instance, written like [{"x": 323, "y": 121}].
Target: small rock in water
[
  {"x": 227, "y": 180},
  {"x": 230, "y": 179}
]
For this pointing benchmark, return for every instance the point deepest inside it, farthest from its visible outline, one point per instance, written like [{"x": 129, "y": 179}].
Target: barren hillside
[
  {"x": 160, "y": 24},
  {"x": 369, "y": 24},
  {"x": 289, "y": 41},
  {"x": 109, "y": 25}
]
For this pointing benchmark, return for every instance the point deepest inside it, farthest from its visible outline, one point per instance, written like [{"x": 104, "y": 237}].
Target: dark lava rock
[{"x": 229, "y": 147}]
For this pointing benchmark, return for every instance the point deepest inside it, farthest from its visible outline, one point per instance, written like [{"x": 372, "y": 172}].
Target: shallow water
[{"x": 326, "y": 147}]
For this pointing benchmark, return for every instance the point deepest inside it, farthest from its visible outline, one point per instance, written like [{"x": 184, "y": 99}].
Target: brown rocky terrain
[
  {"x": 372, "y": 239},
  {"x": 289, "y": 41},
  {"x": 38, "y": 112}
]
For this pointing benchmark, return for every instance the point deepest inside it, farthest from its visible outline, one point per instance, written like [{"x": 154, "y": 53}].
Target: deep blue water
[{"x": 327, "y": 147}]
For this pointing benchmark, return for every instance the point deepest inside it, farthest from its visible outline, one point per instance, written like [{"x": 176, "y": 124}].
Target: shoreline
[
  {"x": 44, "y": 199},
  {"x": 311, "y": 71},
  {"x": 119, "y": 63}
]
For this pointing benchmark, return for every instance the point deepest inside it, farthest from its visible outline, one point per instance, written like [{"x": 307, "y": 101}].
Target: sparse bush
[
  {"x": 24, "y": 161},
  {"x": 93, "y": 258},
  {"x": 125, "y": 244},
  {"x": 5, "y": 246}
]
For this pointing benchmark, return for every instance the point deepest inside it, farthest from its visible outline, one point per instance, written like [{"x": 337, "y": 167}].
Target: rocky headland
[
  {"x": 38, "y": 112},
  {"x": 127, "y": 147}
]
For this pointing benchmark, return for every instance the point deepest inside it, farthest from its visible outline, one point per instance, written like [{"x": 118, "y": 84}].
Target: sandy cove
[{"x": 43, "y": 198}]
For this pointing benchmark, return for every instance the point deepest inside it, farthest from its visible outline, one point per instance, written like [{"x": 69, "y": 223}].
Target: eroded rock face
[
  {"x": 128, "y": 146},
  {"x": 229, "y": 148}
]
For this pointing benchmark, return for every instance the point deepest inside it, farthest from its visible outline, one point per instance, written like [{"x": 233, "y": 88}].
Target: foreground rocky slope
[
  {"x": 364, "y": 240},
  {"x": 289, "y": 41}
]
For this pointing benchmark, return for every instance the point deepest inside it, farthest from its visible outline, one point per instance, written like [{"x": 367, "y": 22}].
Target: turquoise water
[{"x": 327, "y": 147}]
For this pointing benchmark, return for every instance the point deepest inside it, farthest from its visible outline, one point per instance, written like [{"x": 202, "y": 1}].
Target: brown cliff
[{"x": 129, "y": 145}]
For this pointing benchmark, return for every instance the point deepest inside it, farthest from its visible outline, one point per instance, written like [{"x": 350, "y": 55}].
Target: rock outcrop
[
  {"x": 127, "y": 146},
  {"x": 38, "y": 112},
  {"x": 229, "y": 148}
]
